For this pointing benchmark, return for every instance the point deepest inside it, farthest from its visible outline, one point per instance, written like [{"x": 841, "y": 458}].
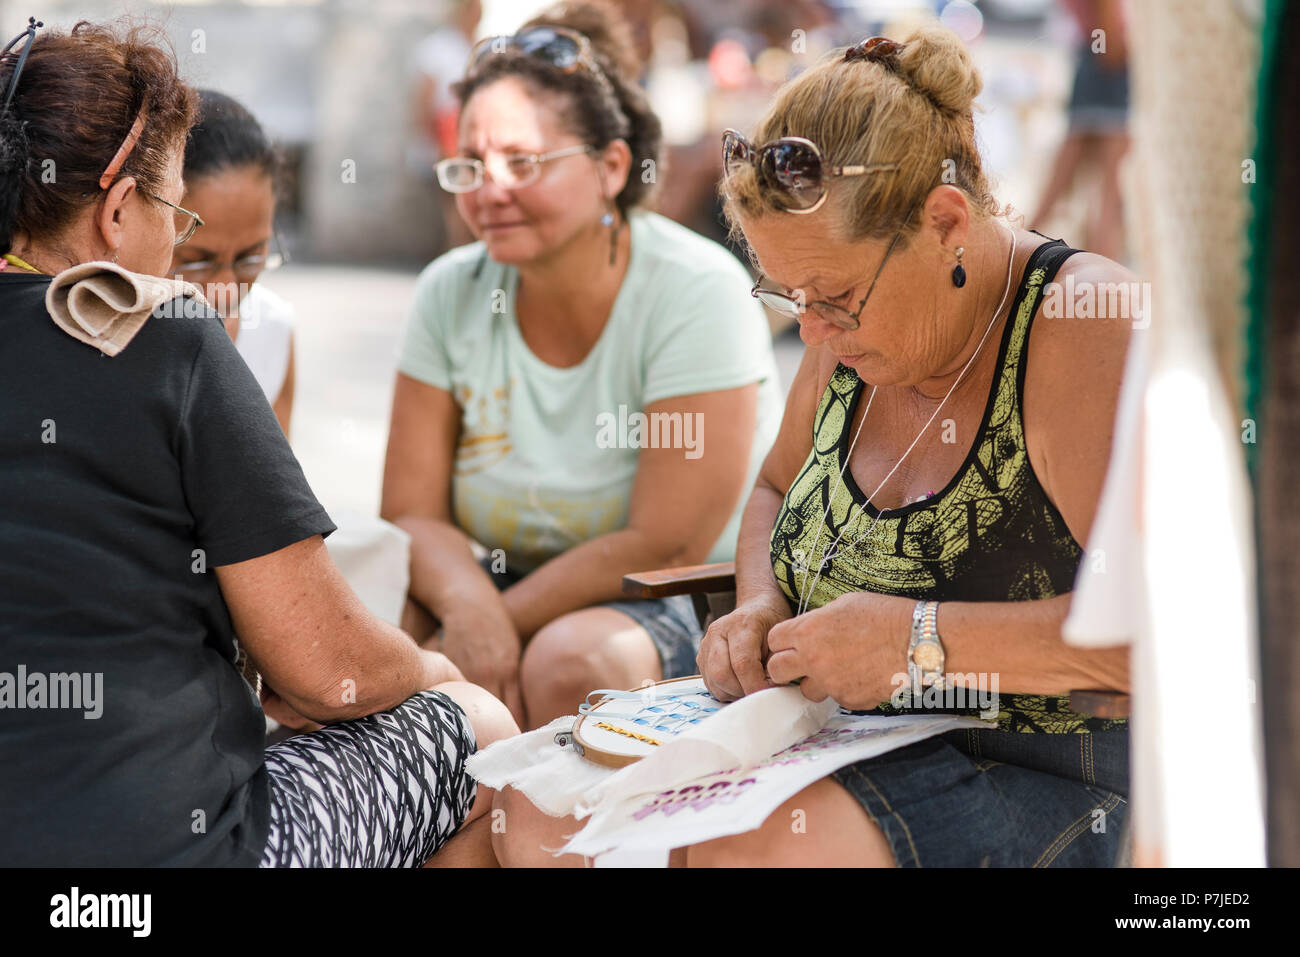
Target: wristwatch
[{"x": 925, "y": 655}]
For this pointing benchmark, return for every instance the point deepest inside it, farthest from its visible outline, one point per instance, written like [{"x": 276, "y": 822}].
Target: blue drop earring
[
  {"x": 608, "y": 222},
  {"x": 959, "y": 271}
]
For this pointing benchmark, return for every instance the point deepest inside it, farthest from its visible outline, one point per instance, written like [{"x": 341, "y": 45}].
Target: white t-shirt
[
  {"x": 547, "y": 456},
  {"x": 265, "y": 334}
]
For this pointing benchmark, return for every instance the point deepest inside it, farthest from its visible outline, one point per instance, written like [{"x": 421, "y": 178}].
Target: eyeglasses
[
  {"x": 30, "y": 36},
  {"x": 460, "y": 174},
  {"x": 792, "y": 307},
  {"x": 245, "y": 268},
  {"x": 792, "y": 166},
  {"x": 565, "y": 49},
  {"x": 186, "y": 221}
]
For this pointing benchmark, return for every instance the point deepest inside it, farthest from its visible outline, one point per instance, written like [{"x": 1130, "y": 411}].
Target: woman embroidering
[{"x": 923, "y": 510}]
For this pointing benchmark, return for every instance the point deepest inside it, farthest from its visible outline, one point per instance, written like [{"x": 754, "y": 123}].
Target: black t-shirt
[{"x": 124, "y": 482}]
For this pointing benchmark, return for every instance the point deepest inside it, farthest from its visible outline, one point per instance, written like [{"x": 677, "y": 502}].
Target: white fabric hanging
[{"x": 1174, "y": 523}]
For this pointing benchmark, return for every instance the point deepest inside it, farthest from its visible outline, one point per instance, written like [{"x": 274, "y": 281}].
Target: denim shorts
[
  {"x": 975, "y": 798},
  {"x": 671, "y": 624}
]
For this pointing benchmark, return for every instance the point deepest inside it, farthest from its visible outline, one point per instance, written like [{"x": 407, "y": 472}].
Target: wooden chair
[{"x": 713, "y": 591}]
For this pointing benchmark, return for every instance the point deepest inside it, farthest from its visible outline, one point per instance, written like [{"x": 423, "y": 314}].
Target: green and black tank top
[{"x": 992, "y": 534}]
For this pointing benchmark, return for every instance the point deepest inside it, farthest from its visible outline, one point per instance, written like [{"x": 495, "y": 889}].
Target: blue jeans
[{"x": 975, "y": 798}]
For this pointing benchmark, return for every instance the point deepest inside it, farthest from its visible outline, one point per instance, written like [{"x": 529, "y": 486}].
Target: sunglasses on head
[
  {"x": 27, "y": 38},
  {"x": 565, "y": 49},
  {"x": 792, "y": 167}
]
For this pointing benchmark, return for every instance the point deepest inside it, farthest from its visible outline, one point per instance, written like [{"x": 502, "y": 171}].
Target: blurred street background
[{"x": 343, "y": 87}]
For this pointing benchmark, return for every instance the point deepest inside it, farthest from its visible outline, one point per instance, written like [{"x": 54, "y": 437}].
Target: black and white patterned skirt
[{"x": 386, "y": 790}]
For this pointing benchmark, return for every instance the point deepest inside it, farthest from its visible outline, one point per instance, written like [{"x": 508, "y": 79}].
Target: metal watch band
[{"x": 925, "y": 657}]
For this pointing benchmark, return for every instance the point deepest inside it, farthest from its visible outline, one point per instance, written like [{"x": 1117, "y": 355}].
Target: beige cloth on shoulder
[{"x": 104, "y": 305}]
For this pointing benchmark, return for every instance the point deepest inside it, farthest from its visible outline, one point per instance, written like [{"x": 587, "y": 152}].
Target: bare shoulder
[
  {"x": 1077, "y": 350},
  {"x": 1086, "y": 316}
]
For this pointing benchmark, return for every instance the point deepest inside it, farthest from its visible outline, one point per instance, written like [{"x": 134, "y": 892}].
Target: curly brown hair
[
  {"x": 77, "y": 98},
  {"x": 599, "y": 109}
]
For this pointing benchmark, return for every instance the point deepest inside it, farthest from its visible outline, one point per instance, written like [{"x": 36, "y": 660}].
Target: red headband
[{"x": 123, "y": 151}]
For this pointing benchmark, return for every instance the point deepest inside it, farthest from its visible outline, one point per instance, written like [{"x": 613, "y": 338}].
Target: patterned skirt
[{"x": 386, "y": 790}]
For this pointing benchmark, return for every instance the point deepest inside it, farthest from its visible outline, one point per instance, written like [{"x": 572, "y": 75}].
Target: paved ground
[{"x": 350, "y": 325}]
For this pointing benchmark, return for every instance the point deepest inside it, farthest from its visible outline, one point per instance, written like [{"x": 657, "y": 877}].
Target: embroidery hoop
[{"x": 622, "y": 727}]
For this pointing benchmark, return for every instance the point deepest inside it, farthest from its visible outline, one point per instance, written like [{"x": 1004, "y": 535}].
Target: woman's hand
[
  {"x": 486, "y": 647},
  {"x": 438, "y": 669},
  {"x": 276, "y": 708},
  {"x": 850, "y": 649},
  {"x": 733, "y": 649}
]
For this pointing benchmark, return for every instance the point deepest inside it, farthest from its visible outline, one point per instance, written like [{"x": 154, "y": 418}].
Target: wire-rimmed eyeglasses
[
  {"x": 794, "y": 306},
  {"x": 186, "y": 221},
  {"x": 462, "y": 174},
  {"x": 245, "y": 268}
]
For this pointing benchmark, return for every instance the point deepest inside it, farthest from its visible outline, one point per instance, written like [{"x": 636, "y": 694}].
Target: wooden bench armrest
[{"x": 686, "y": 580}]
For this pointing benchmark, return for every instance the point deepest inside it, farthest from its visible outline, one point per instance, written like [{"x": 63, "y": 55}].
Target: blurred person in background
[
  {"x": 576, "y": 307},
  {"x": 1097, "y": 137},
  {"x": 437, "y": 62},
  {"x": 230, "y": 182}
]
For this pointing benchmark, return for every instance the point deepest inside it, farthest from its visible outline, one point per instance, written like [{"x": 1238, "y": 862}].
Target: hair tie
[
  {"x": 880, "y": 50},
  {"x": 123, "y": 151}
]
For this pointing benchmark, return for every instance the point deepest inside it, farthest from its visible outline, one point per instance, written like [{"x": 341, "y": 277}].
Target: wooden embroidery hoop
[{"x": 615, "y": 743}]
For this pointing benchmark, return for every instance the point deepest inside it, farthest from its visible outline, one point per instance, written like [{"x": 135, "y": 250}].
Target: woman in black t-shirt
[{"x": 150, "y": 510}]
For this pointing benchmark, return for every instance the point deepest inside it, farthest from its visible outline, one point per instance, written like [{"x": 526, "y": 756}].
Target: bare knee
[
  {"x": 578, "y": 653},
  {"x": 821, "y": 826},
  {"x": 490, "y": 719},
  {"x": 523, "y": 835},
  {"x": 555, "y": 675}
]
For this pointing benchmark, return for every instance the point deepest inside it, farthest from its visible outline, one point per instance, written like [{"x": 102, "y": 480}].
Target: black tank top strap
[{"x": 1041, "y": 269}]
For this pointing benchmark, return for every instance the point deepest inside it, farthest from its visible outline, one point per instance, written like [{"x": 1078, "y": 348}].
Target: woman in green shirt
[{"x": 586, "y": 392}]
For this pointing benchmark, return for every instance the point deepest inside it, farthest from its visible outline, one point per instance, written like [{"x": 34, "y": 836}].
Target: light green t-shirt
[{"x": 547, "y": 456}]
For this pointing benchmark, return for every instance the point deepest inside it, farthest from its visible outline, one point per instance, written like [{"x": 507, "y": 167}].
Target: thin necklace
[
  {"x": 21, "y": 264},
  {"x": 828, "y": 553}
]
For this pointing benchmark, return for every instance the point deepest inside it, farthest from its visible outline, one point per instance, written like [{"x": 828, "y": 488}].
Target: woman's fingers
[
  {"x": 786, "y": 667},
  {"x": 746, "y": 654},
  {"x": 813, "y": 689},
  {"x": 278, "y": 709},
  {"x": 714, "y": 662},
  {"x": 781, "y": 636}
]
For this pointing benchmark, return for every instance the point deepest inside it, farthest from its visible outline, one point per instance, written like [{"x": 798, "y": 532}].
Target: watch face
[{"x": 928, "y": 657}]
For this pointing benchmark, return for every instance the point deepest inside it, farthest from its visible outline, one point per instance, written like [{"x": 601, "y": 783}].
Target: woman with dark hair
[
  {"x": 587, "y": 391},
  {"x": 230, "y": 181},
  {"x": 150, "y": 509}
]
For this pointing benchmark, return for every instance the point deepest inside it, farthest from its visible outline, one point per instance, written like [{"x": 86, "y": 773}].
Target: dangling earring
[
  {"x": 959, "y": 271},
  {"x": 608, "y": 222}
]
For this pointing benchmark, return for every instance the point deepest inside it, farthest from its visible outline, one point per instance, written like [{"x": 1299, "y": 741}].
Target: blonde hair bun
[
  {"x": 906, "y": 111},
  {"x": 935, "y": 62}
]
